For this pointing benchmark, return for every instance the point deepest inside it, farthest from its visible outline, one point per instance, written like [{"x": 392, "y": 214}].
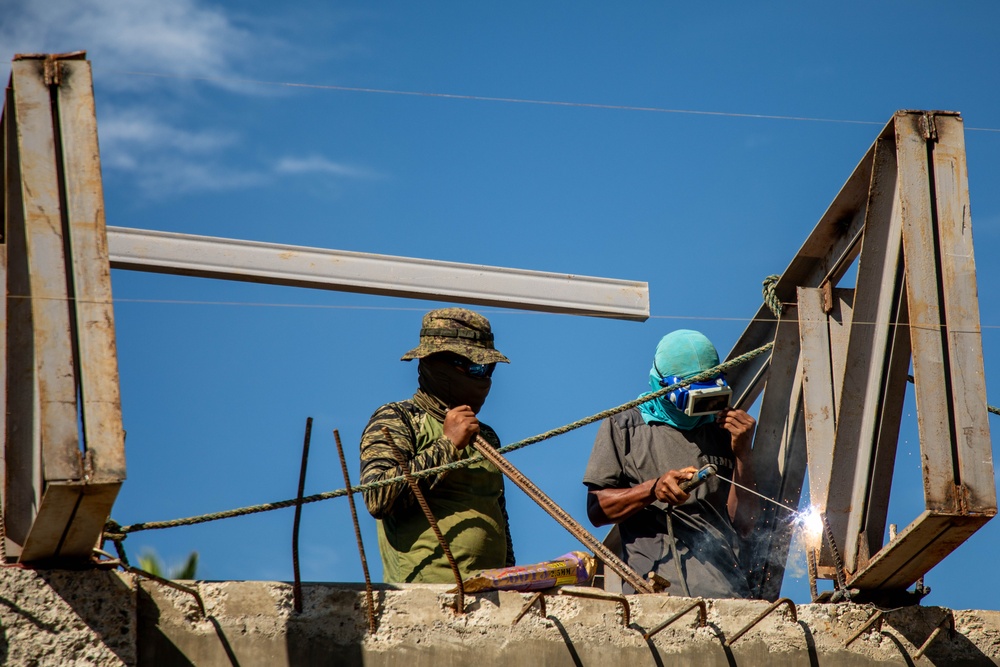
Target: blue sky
[{"x": 199, "y": 135}]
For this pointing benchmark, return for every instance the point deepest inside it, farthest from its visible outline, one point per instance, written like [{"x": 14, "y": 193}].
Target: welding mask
[{"x": 699, "y": 398}]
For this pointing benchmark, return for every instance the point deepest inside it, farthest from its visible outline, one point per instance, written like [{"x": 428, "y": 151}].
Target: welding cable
[{"x": 673, "y": 552}]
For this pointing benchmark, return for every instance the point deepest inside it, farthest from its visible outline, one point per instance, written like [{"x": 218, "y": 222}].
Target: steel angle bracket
[
  {"x": 904, "y": 216},
  {"x": 63, "y": 455}
]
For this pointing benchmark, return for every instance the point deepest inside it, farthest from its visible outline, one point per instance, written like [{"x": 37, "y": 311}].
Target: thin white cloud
[
  {"x": 171, "y": 176},
  {"x": 181, "y": 37},
  {"x": 131, "y": 129},
  {"x": 162, "y": 150},
  {"x": 165, "y": 159},
  {"x": 316, "y": 164}
]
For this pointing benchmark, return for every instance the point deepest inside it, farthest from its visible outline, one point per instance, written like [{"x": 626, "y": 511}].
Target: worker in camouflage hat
[
  {"x": 460, "y": 331},
  {"x": 456, "y": 359}
]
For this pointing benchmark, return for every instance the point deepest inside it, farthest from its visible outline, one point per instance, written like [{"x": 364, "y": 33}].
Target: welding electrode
[{"x": 687, "y": 486}]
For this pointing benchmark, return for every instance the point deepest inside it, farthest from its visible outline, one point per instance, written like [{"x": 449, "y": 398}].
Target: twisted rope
[
  {"x": 114, "y": 530},
  {"x": 771, "y": 299}
]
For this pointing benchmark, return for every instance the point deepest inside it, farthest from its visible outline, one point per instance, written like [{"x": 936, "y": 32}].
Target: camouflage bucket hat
[{"x": 457, "y": 330}]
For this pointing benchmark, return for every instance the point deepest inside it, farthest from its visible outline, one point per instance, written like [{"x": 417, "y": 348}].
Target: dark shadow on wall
[
  {"x": 109, "y": 615},
  {"x": 573, "y": 654},
  {"x": 333, "y": 624},
  {"x": 947, "y": 649}
]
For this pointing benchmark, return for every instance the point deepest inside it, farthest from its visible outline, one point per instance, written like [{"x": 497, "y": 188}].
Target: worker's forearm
[
  {"x": 606, "y": 506},
  {"x": 380, "y": 501},
  {"x": 744, "y": 507}
]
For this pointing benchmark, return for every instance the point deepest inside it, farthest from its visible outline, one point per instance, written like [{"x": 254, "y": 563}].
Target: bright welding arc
[{"x": 759, "y": 495}]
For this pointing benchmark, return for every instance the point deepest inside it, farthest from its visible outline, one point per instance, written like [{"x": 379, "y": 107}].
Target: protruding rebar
[
  {"x": 404, "y": 465},
  {"x": 813, "y": 574},
  {"x": 838, "y": 562},
  {"x": 605, "y": 555},
  {"x": 171, "y": 584},
  {"x": 538, "y": 597},
  {"x": 595, "y": 594},
  {"x": 948, "y": 619},
  {"x": 877, "y": 617},
  {"x": 702, "y": 617},
  {"x": 369, "y": 596},
  {"x": 297, "y": 581},
  {"x": 763, "y": 615}
]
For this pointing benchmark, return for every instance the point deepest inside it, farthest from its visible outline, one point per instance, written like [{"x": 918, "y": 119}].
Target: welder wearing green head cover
[{"x": 641, "y": 456}]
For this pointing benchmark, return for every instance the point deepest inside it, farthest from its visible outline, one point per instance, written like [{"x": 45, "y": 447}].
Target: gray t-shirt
[{"x": 627, "y": 452}]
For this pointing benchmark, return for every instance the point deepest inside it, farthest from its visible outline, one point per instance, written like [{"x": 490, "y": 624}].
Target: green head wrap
[{"x": 682, "y": 353}]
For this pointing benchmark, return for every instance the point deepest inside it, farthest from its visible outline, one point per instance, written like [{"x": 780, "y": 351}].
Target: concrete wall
[
  {"x": 65, "y": 618},
  {"x": 104, "y": 618}
]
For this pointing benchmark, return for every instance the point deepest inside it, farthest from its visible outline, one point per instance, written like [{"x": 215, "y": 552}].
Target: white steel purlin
[{"x": 367, "y": 273}]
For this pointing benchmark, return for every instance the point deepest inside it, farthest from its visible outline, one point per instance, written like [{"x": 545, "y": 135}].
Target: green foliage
[{"x": 151, "y": 562}]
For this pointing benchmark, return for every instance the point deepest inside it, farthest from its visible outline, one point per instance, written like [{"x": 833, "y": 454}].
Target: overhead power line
[{"x": 512, "y": 100}]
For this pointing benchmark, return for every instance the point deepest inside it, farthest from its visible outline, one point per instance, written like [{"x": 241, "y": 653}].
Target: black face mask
[{"x": 451, "y": 385}]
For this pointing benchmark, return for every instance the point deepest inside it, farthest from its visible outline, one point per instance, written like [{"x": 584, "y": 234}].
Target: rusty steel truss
[
  {"x": 834, "y": 385},
  {"x": 832, "y": 389}
]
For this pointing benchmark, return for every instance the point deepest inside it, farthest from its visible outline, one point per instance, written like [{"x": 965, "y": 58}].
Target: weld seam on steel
[
  {"x": 369, "y": 595},
  {"x": 763, "y": 615},
  {"x": 702, "y": 618},
  {"x": 296, "y": 574},
  {"x": 404, "y": 465},
  {"x": 114, "y": 527},
  {"x": 561, "y": 516}
]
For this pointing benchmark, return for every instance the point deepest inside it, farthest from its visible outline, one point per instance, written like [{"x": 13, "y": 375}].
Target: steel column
[{"x": 63, "y": 443}]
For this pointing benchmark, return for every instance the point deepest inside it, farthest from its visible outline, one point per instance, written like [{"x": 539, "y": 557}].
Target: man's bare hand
[
  {"x": 461, "y": 426},
  {"x": 667, "y": 488},
  {"x": 740, "y": 426}
]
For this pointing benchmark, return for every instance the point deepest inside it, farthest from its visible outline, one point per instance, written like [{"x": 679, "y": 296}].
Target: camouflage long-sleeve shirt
[{"x": 468, "y": 503}]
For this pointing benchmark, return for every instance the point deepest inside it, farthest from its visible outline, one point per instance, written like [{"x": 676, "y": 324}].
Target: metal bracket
[{"x": 928, "y": 128}]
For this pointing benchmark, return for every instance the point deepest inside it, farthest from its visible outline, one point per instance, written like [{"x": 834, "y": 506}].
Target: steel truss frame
[
  {"x": 832, "y": 388},
  {"x": 834, "y": 385}
]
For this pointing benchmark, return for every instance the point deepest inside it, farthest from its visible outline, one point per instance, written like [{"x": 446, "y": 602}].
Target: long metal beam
[{"x": 366, "y": 273}]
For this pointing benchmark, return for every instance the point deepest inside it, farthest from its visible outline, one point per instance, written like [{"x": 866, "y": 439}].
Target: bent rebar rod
[
  {"x": 561, "y": 516},
  {"x": 702, "y": 617},
  {"x": 369, "y": 596},
  {"x": 404, "y": 465},
  {"x": 763, "y": 615}
]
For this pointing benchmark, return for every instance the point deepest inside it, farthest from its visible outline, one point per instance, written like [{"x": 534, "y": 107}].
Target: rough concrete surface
[
  {"x": 69, "y": 619},
  {"x": 253, "y": 623}
]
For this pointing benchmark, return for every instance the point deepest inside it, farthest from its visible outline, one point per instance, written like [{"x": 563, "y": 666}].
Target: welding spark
[{"x": 810, "y": 521}]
